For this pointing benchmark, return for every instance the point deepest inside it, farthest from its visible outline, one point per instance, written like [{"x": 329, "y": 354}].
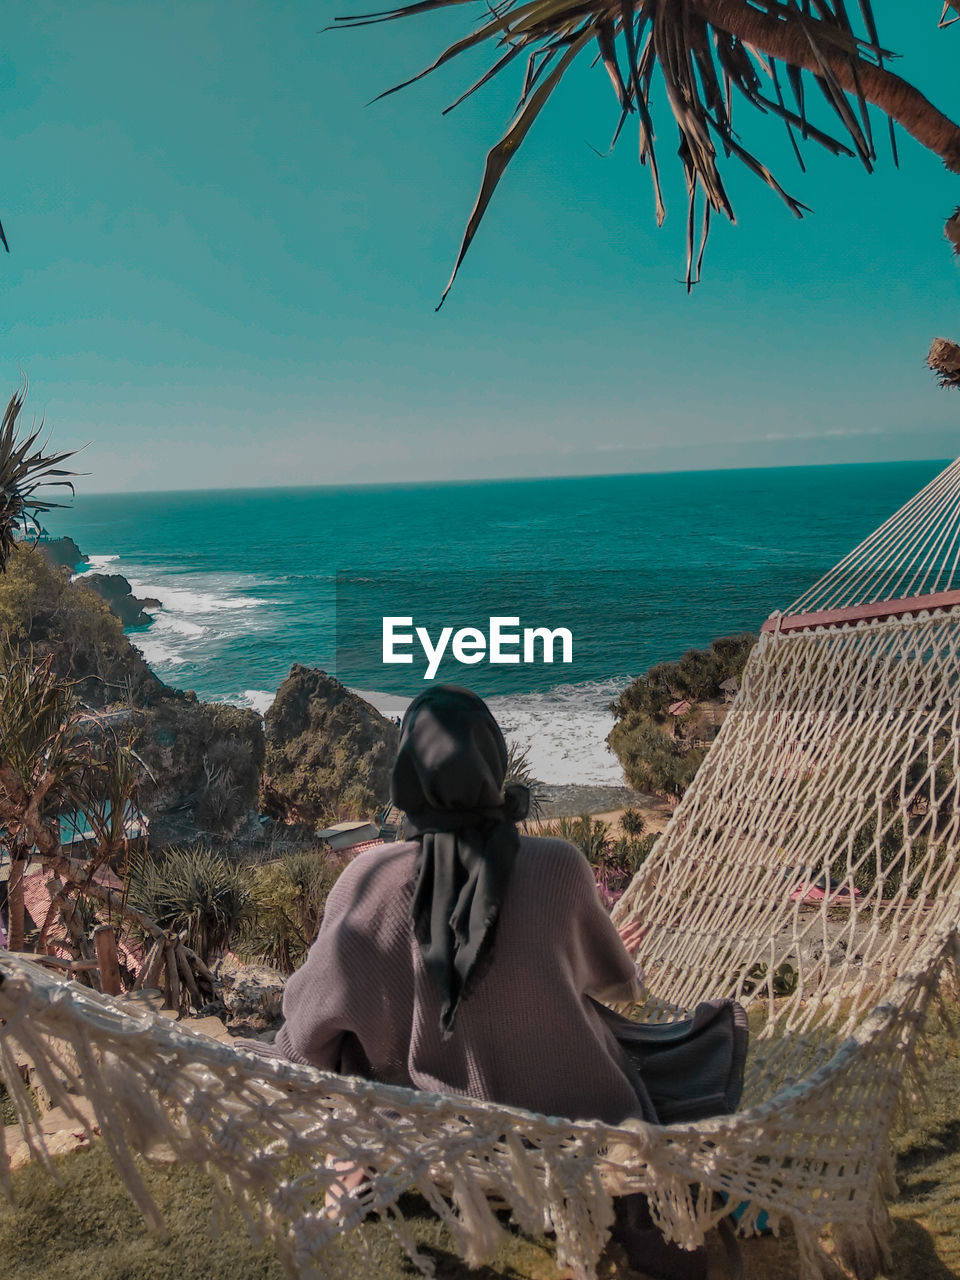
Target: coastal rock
[
  {"x": 41, "y": 608},
  {"x": 252, "y": 995},
  {"x": 61, "y": 553},
  {"x": 204, "y": 761},
  {"x": 329, "y": 754},
  {"x": 116, "y": 590}
]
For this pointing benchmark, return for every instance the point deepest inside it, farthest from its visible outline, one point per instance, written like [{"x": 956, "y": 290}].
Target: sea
[{"x": 637, "y": 568}]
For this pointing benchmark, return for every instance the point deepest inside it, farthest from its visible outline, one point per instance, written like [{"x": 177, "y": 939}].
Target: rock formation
[
  {"x": 62, "y": 553},
  {"x": 204, "y": 761},
  {"x": 117, "y": 592},
  {"x": 329, "y": 754}
]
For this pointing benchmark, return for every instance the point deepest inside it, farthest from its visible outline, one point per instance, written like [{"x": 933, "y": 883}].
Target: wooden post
[{"x": 105, "y": 941}]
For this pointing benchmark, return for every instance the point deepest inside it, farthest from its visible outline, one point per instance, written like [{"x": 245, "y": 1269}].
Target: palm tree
[
  {"x": 22, "y": 473},
  {"x": 707, "y": 53}
]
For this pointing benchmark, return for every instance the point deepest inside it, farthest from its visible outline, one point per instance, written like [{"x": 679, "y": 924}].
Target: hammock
[{"x": 834, "y": 776}]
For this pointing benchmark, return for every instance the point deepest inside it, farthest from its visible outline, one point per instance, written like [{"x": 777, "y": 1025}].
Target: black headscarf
[{"x": 449, "y": 781}]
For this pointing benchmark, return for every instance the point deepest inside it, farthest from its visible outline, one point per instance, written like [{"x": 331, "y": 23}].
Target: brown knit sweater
[{"x": 526, "y": 1036}]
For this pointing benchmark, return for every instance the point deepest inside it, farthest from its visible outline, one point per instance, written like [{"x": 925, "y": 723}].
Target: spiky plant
[
  {"x": 520, "y": 770},
  {"x": 195, "y": 889},
  {"x": 706, "y": 54},
  {"x": 24, "y": 469}
]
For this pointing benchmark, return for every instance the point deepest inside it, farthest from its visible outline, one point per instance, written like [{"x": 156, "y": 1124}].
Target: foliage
[
  {"x": 784, "y": 979},
  {"x": 287, "y": 901},
  {"x": 519, "y": 770},
  {"x": 55, "y": 758},
  {"x": 708, "y": 54},
  {"x": 195, "y": 889},
  {"x": 22, "y": 473},
  {"x": 615, "y": 860},
  {"x": 328, "y": 753},
  {"x": 40, "y": 608},
  {"x": 632, "y": 822},
  {"x": 652, "y": 759}
]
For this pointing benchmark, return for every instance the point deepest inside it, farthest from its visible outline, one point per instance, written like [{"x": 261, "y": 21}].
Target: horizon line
[{"x": 453, "y": 481}]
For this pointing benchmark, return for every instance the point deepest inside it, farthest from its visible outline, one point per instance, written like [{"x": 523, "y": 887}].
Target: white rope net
[
  {"x": 836, "y": 773},
  {"x": 915, "y": 552}
]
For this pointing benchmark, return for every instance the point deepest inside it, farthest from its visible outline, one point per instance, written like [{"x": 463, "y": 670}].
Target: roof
[
  {"x": 342, "y": 828},
  {"x": 36, "y": 901},
  {"x": 730, "y": 685},
  {"x": 679, "y": 708}
]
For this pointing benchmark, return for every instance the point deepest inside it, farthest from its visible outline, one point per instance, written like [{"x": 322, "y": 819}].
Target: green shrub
[
  {"x": 287, "y": 901},
  {"x": 195, "y": 889}
]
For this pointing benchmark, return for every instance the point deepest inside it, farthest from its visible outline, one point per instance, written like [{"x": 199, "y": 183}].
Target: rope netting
[
  {"x": 916, "y": 552},
  {"x": 835, "y": 777}
]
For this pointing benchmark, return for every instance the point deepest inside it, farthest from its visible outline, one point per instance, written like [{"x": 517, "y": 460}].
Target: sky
[{"x": 224, "y": 264}]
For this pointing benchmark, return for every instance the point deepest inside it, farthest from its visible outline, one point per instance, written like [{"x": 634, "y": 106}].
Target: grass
[{"x": 86, "y": 1228}]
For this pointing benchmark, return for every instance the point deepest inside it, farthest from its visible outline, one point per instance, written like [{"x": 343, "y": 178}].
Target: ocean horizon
[{"x": 639, "y": 567}]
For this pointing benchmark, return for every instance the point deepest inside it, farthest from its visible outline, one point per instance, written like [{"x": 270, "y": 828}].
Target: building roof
[{"x": 680, "y": 708}]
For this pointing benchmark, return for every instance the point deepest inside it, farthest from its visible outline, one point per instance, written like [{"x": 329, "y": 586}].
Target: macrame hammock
[{"x": 834, "y": 777}]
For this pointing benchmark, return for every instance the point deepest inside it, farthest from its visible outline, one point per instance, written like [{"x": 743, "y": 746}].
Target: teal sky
[{"x": 224, "y": 265}]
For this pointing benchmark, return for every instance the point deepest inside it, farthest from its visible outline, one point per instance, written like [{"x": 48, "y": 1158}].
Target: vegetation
[
  {"x": 615, "y": 860},
  {"x": 519, "y": 770},
  {"x": 196, "y": 890},
  {"x": 43, "y": 612},
  {"x": 54, "y": 758},
  {"x": 329, "y": 754},
  {"x": 23, "y": 472},
  {"x": 706, "y": 54},
  {"x": 287, "y": 899},
  {"x": 660, "y": 752}
]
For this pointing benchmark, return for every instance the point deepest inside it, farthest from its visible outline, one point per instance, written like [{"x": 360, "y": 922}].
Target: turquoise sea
[{"x": 639, "y": 568}]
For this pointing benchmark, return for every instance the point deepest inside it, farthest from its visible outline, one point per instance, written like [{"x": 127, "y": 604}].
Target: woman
[
  {"x": 463, "y": 960},
  {"x": 466, "y": 959}
]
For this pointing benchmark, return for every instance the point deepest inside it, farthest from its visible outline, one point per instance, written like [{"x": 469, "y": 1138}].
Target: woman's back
[{"x": 527, "y": 1035}]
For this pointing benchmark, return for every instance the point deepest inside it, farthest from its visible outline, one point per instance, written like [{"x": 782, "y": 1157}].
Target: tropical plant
[
  {"x": 615, "y": 861},
  {"x": 194, "y": 889},
  {"x": 708, "y": 53},
  {"x": 519, "y": 770},
  {"x": 55, "y": 757},
  {"x": 632, "y": 822},
  {"x": 287, "y": 901},
  {"x": 22, "y": 473}
]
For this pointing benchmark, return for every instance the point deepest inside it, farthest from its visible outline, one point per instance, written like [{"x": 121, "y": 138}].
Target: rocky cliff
[
  {"x": 62, "y": 553},
  {"x": 42, "y": 608},
  {"x": 204, "y": 761},
  {"x": 118, "y": 594},
  {"x": 329, "y": 754}
]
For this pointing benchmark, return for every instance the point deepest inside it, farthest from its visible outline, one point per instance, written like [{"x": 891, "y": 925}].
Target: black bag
[{"x": 687, "y": 1070}]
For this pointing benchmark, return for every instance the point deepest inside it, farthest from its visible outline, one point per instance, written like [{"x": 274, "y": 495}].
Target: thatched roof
[{"x": 944, "y": 360}]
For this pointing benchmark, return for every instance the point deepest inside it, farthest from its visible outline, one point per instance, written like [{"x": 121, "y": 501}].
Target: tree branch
[{"x": 789, "y": 42}]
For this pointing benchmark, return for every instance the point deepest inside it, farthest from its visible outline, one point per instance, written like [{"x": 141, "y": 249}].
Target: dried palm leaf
[
  {"x": 944, "y": 360},
  {"x": 705, "y": 53}
]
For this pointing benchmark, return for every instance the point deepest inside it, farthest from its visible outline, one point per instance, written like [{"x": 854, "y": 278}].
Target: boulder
[
  {"x": 62, "y": 553},
  {"x": 329, "y": 754},
  {"x": 117, "y": 592},
  {"x": 204, "y": 761},
  {"x": 252, "y": 995}
]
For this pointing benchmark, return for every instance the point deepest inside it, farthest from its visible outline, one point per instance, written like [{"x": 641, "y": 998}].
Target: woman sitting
[{"x": 463, "y": 961}]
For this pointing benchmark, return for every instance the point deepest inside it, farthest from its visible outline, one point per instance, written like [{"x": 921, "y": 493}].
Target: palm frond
[
  {"x": 24, "y": 469},
  {"x": 708, "y": 53}
]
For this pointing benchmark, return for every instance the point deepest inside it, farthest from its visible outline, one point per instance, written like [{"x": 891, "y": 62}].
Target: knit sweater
[{"x": 526, "y": 1036}]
